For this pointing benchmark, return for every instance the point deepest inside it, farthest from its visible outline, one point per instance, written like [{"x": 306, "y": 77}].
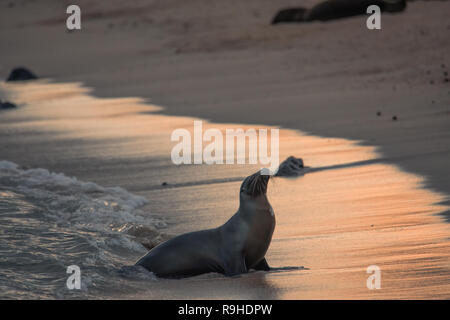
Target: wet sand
[
  {"x": 354, "y": 211},
  {"x": 227, "y": 64},
  {"x": 327, "y": 80}
]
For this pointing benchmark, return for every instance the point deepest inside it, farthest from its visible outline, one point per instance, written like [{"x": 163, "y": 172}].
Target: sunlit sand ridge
[{"x": 355, "y": 212}]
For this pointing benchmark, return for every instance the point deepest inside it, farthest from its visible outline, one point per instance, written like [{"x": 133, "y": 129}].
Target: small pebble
[
  {"x": 431, "y": 82},
  {"x": 394, "y": 118},
  {"x": 379, "y": 113},
  {"x": 164, "y": 184}
]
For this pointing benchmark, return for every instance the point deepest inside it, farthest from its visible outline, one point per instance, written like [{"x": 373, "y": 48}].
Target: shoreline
[
  {"x": 286, "y": 68},
  {"x": 342, "y": 210}
]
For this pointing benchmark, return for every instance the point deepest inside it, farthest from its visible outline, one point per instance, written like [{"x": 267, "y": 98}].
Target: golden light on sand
[{"x": 355, "y": 212}]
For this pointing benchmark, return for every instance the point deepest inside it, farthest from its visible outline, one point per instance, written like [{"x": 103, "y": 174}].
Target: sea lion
[
  {"x": 21, "y": 74},
  {"x": 231, "y": 249},
  {"x": 291, "y": 167},
  {"x": 336, "y": 9}
]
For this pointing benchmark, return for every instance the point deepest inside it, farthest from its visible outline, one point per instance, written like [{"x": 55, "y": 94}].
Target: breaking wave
[{"x": 49, "y": 221}]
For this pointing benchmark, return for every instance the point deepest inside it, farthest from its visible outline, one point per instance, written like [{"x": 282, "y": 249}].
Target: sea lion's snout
[{"x": 255, "y": 185}]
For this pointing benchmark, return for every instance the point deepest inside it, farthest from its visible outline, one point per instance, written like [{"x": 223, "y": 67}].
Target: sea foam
[{"x": 76, "y": 204}]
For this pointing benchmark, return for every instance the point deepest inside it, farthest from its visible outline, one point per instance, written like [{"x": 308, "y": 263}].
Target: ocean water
[
  {"x": 49, "y": 221},
  {"x": 82, "y": 183}
]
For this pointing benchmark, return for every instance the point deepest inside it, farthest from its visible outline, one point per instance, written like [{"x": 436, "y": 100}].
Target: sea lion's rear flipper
[{"x": 262, "y": 265}]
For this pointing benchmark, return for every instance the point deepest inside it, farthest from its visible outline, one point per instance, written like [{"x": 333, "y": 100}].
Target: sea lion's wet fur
[{"x": 233, "y": 248}]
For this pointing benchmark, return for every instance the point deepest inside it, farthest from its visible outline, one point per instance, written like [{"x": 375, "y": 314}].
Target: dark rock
[
  {"x": 379, "y": 113},
  {"x": 164, "y": 184},
  {"x": 21, "y": 74},
  {"x": 394, "y": 118},
  {"x": 7, "y": 105},
  {"x": 335, "y": 9},
  {"x": 290, "y": 15}
]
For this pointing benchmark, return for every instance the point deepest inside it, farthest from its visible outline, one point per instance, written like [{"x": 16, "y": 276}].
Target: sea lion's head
[
  {"x": 255, "y": 185},
  {"x": 253, "y": 193}
]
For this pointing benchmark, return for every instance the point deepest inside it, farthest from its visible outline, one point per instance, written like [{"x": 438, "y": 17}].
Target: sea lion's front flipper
[
  {"x": 262, "y": 265},
  {"x": 235, "y": 266}
]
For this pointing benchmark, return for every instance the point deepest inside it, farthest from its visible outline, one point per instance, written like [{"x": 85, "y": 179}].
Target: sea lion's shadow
[
  {"x": 216, "y": 275},
  {"x": 272, "y": 270},
  {"x": 286, "y": 269},
  {"x": 139, "y": 273}
]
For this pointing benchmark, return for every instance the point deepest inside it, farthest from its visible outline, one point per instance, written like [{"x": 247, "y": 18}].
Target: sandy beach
[{"x": 113, "y": 92}]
